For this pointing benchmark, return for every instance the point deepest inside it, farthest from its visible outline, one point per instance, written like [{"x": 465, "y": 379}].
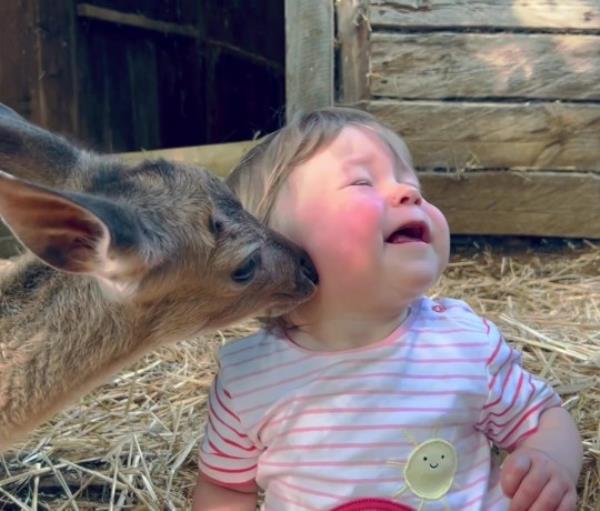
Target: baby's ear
[{"x": 73, "y": 232}]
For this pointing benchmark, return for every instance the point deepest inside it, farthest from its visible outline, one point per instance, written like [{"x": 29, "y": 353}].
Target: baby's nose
[{"x": 405, "y": 195}]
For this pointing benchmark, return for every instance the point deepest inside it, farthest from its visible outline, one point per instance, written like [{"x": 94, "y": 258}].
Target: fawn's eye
[
  {"x": 245, "y": 273},
  {"x": 215, "y": 226}
]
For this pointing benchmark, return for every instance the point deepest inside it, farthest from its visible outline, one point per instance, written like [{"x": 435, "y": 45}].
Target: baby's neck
[{"x": 345, "y": 331}]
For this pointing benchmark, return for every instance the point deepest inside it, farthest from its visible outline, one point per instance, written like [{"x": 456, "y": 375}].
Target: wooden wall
[
  {"x": 499, "y": 101},
  {"x": 127, "y": 75},
  {"x": 145, "y": 74}
]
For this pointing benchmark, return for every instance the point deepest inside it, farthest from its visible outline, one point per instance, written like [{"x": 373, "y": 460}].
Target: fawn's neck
[{"x": 59, "y": 338}]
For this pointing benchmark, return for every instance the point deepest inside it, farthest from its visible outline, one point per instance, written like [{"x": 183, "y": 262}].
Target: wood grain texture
[
  {"x": 517, "y": 203},
  {"x": 518, "y": 14},
  {"x": 447, "y": 64},
  {"x": 309, "y": 29},
  {"x": 219, "y": 158},
  {"x": 496, "y": 135},
  {"x": 353, "y": 40},
  {"x": 565, "y": 204}
]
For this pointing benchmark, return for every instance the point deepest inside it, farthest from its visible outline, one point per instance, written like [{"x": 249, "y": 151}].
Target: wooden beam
[
  {"x": 517, "y": 203},
  {"x": 219, "y": 158},
  {"x": 353, "y": 39},
  {"x": 484, "y": 135},
  {"x": 309, "y": 29},
  {"x": 507, "y": 14},
  {"x": 565, "y": 204},
  {"x": 448, "y": 64},
  {"x": 164, "y": 27},
  {"x": 135, "y": 20}
]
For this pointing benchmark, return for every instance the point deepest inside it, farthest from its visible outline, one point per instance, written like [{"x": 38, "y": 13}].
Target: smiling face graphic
[{"x": 430, "y": 469}]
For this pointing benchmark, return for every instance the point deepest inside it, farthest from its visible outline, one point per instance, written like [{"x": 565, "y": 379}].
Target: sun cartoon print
[{"x": 429, "y": 470}]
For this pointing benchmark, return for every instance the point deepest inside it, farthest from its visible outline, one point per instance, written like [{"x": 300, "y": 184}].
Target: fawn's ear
[
  {"x": 72, "y": 232},
  {"x": 33, "y": 153}
]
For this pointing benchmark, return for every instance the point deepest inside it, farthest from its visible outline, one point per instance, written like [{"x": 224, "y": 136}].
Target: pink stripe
[
  {"x": 216, "y": 416},
  {"x": 227, "y": 470},
  {"x": 500, "y": 498},
  {"x": 269, "y": 369},
  {"x": 525, "y": 417},
  {"x": 368, "y": 445},
  {"x": 282, "y": 382},
  {"x": 218, "y": 452},
  {"x": 233, "y": 352},
  {"x": 504, "y": 384},
  {"x": 345, "y": 463},
  {"x": 261, "y": 356},
  {"x": 499, "y": 370},
  {"x": 283, "y": 498},
  {"x": 308, "y": 491},
  {"x": 484, "y": 461},
  {"x": 480, "y": 498},
  {"x": 227, "y": 441},
  {"x": 377, "y": 427},
  {"x": 362, "y": 393},
  {"x": 360, "y": 377},
  {"x": 475, "y": 500},
  {"x": 495, "y": 352},
  {"x": 317, "y": 447},
  {"x": 447, "y": 344},
  {"x": 340, "y": 410},
  {"x": 412, "y": 360},
  {"x": 522, "y": 438},
  {"x": 480, "y": 480},
  {"x": 487, "y": 325},
  {"x": 524, "y": 404},
  {"x": 449, "y": 331},
  {"x": 221, "y": 402},
  {"x": 364, "y": 480},
  {"x": 512, "y": 403}
]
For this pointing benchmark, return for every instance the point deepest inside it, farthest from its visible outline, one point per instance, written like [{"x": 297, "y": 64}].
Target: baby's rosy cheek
[{"x": 349, "y": 234}]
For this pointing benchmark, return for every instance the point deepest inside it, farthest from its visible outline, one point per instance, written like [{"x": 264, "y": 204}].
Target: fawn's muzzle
[{"x": 308, "y": 269}]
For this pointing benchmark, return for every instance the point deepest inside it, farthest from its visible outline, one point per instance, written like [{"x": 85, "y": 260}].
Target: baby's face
[{"x": 364, "y": 222}]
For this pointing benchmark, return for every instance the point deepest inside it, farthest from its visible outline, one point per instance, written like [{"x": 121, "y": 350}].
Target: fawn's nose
[
  {"x": 308, "y": 269},
  {"x": 403, "y": 194}
]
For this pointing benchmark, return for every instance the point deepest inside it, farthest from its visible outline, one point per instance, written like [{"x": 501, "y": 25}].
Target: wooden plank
[
  {"x": 140, "y": 21},
  {"x": 56, "y": 67},
  {"x": 309, "y": 32},
  {"x": 219, "y": 158},
  {"x": 446, "y": 64},
  {"x": 353, "y": 40},
  {"x": 507, "y": 14},
  {"x": 518, "y": 203},
  {"x": 135, "y": 20},
  {"x": 555, "y": 135},
  {"x": 143, "y": 95},
  {"x": 18, "y": 58},
  {"x": 565, "y": 204}
]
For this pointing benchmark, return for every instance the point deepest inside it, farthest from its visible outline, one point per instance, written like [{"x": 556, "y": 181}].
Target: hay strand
[{"x": 132, "y": 444}]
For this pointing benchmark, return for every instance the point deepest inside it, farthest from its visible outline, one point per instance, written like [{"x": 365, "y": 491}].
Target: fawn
[{"x": 121, "y": 258}]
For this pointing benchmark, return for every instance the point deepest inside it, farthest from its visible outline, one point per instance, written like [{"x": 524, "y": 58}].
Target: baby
[{"x": 372, "y": 396}]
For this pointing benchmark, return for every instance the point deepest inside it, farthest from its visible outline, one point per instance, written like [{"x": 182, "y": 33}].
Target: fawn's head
[{"x": 163, "y": 236}]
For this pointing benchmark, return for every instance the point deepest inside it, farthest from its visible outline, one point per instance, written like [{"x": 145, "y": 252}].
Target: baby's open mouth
[{"x": 413, "y": 231}]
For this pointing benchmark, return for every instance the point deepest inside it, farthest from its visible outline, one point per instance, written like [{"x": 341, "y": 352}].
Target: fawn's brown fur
[{"x": 121, "y": 259}]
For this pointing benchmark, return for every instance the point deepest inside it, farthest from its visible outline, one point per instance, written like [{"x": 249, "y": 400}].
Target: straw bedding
[{"x": 131, "y": 444}]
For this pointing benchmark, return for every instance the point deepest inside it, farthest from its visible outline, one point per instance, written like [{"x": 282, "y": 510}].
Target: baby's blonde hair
[{"x": 261, "y": 173}]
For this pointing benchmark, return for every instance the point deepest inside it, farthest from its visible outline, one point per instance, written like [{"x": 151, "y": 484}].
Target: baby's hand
[{"x": 536, "y": 482}]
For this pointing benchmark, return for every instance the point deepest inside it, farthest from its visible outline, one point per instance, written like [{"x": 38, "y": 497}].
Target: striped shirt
[{"x": 318, "y": 429}]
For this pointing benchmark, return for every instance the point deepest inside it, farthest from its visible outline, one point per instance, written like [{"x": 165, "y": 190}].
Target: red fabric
[{"x": 372, "y": 505}]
